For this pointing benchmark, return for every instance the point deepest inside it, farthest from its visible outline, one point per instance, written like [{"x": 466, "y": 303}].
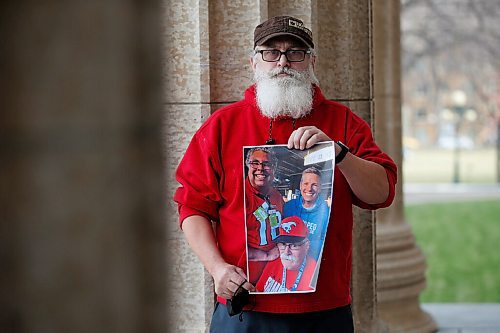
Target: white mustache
[
  {"x": 290, "y": 257},
  {"x": 273, "y": 74}
]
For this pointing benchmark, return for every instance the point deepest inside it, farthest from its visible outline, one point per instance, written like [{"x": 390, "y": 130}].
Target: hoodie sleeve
[
  {"x": 360, "y": 141},
  {"x": 198, "y": 175}
]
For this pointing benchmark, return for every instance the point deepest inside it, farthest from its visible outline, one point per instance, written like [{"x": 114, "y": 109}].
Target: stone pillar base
[
  {"x": 406, "y": 316},
  {"x": 400, "y": 279}
]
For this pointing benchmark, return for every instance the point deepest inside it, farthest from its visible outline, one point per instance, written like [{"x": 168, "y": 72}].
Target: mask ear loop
[
  {"x": 252, "y": 300},
  {"x": 270, "y": 141},
  {"x": 239, "y": 288},
  {"x": 238, "y": 291}
]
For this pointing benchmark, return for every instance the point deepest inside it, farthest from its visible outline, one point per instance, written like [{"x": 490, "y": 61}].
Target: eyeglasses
[
  {"x": 291, "y": 246},
  {"x": 291, "y": 55},
  {"x": 265, "y": 165}
]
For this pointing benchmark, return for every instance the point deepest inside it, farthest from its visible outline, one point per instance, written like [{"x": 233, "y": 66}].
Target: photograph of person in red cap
[{"x": 294, "y": 270}]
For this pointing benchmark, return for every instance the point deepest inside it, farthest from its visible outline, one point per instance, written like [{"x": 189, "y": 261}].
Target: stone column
[
  {"x": 187, "y": 94},
  {"x": 207, "y": 48},
  {"x": 82, "y": 236},
  {"x": 302, "y": 9},
  {"x": 343, "y": 35},
  {"x": 400, "y": 263}
]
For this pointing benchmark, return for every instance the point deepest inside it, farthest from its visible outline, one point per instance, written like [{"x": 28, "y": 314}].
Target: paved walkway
[
  {"x": 423, "y": 193},
  {"x": 465, "y": 318}
]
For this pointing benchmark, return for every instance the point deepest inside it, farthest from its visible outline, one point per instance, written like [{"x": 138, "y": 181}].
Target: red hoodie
[{"x": 211, "y": 179}]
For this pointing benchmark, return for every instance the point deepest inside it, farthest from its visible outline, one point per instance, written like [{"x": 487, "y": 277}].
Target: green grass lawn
[{"x": 461, "y": 242}]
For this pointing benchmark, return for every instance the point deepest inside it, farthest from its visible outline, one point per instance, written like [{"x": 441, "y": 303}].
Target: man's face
[
  {"x": 292, "y": 254},
  {"x": 284, "y": 88},
  {"x": 309, "y": 188},
  {"x": 260, "y": 171},
  {"x": 282, "y": 44}
]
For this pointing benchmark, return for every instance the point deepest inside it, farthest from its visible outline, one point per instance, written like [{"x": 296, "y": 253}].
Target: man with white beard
[
  {"x": 294, "y": 269},
  {"x": 284, "y": 106},
  {"x": 285, "y": 92}
]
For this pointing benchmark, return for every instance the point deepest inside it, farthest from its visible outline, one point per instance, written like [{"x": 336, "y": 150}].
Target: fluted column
[
  {"x": 302, "y": 9},
  {"x": 400, "y": 263},
  {"x": 186, "y": 74},
  {"x": 207, "y": 48},
  {"x": 343, "y": 36}
]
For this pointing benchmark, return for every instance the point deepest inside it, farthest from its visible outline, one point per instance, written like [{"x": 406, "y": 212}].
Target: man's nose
[{"x": 283, "y": 61}]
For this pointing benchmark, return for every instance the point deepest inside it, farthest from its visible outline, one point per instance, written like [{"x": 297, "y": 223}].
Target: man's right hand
[
  {"x": 227, "y": 279},
  {"x": 200, "y": 236}
]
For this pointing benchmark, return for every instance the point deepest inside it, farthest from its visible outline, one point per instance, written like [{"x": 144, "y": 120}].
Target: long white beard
[{"x": 285, "y": 96}]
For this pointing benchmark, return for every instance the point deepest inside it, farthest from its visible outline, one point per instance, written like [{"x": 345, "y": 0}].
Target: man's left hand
[{"x": 306, "y": 137}]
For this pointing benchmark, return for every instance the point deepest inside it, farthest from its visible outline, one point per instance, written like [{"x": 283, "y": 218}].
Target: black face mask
[{"x": 238, "y": 301}]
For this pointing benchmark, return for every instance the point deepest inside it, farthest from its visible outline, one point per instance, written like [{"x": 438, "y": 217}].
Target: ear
[
  {"x": 313, "y": 62},
  {"x": 253, "y": 63}
]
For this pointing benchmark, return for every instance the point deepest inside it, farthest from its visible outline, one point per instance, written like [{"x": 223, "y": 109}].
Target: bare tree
[{"x": 452, "y": 44}]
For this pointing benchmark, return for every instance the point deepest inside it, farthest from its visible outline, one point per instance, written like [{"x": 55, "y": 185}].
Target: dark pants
[{"x": 337, "y": 320}]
